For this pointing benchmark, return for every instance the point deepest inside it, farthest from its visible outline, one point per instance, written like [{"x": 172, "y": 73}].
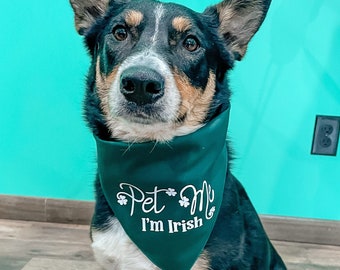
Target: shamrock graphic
[
  {"x": 184, "y": 202},
  {"x": 122, "y": 200},
  {"x": 171, "y": 192}
]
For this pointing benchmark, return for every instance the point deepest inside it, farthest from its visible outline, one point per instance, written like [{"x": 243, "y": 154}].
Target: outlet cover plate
[{"x": 326, "y": 135}]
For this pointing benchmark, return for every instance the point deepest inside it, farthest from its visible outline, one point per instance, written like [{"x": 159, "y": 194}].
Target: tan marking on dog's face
[
  {"x": 133, "y": 18},
  {"x": 195, "y": 101},
  {"x": 181, "y": 24},
  {"x": 103, "y": 84}
]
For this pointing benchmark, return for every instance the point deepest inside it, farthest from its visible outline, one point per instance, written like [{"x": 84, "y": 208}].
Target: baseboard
[
  {"x": 45, "y": 209},
  {"x": 303, "y": 230},
  {"x": 324, "y": 232}
]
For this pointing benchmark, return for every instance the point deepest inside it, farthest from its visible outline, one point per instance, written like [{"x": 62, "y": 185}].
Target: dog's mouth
[{"x": 147, "y": 114}]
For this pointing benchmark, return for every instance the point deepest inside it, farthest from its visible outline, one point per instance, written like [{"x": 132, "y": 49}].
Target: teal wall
[{"x": 290, "y": 74}]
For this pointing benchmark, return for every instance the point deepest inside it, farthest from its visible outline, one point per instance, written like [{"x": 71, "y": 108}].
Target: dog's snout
[{"x": 141, "y": 85}]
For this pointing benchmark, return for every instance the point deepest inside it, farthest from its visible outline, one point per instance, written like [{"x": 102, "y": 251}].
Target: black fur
[{"x": 238, "y": 240}]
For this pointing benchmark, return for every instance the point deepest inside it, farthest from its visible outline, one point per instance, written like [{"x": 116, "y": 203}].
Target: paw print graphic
[
  {"x": 184, "y": 202},
  {"x": 171, "y": 192},
  {"x": 122, "y": 200}
]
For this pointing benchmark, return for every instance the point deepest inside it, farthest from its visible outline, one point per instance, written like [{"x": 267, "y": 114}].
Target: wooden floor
[{"x": 52, "y": 246}]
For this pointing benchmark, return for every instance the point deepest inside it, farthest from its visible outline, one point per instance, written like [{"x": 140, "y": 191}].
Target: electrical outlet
[{"x": 326, "y": 135}]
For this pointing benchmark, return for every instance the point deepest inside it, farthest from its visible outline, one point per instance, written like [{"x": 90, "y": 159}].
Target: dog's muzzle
[{"x": 141, "y": 85}]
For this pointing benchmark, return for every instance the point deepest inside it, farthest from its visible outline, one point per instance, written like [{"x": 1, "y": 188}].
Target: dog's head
[{"x": 158, "y": 69}]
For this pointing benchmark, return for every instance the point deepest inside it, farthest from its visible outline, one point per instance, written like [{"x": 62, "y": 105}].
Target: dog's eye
[
  {"x": 120, "y": 33},
  {"x": 191, "y": 44}
]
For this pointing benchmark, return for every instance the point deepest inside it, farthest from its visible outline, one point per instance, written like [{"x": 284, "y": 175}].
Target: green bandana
[{"x": 167, "y": 196}]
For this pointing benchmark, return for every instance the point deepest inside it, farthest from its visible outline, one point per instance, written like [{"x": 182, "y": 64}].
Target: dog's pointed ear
[
  {"x": 86, "y": 12},
  {"x": 239, "y": 20}
]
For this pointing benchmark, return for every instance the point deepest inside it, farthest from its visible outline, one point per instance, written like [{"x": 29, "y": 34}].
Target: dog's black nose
[{"x": 141, "y": 85}]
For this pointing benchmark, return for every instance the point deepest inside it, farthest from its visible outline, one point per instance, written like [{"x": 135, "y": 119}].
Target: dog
[{"x": 159, "y": 71}]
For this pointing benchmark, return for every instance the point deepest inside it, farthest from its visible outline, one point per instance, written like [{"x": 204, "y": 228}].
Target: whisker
[
  {"x": 129, "y": 147},
  {"x": 154, "y": 146}
]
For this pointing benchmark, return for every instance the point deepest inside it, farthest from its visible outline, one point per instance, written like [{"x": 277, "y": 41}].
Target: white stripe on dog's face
[{"x": 159, "y": 12}]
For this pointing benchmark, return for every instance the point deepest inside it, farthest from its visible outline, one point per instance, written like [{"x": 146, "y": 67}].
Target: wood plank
[
  {"x": 22, "y": 208},
  {"x": 53, "y": 264},
  {"x": 308, "y": 256},
  {"x": 324, "y": 232},
  {"x": 21, "y": 241},
  {"x": 45, "y": 209},
  {"x": 7, "y": 263},
  {"x": 67, "y": 211},
  {"x": 26, "y": 250},
  {"x": 294, "y": 266},
  {"x": 44, "y": 232},
  {"x": 64, "y": 246}
]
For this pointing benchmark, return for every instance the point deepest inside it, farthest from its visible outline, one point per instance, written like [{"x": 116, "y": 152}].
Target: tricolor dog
[{"x": 157, "y": 101}]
